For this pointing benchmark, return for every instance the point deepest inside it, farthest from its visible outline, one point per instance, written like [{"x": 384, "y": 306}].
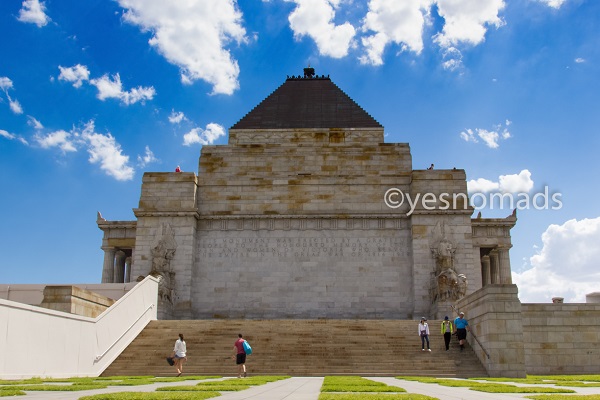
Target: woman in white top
[
  {"x": 424, "y": 333},
  {"x": 179, "y": 354}
]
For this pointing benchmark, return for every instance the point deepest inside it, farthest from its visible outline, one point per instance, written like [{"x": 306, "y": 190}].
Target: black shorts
[
  {"x": 240, "y": 359},
  {"x": 461, "y": 333}
]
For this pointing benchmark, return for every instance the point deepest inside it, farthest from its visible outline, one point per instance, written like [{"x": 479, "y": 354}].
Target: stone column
[
  {"x": 495, "y": 267},
  {"x": 128, "y": 269},
  {"x": 505, "y": 273},
  {"x": 119, "y": 276},
  {"x": 109, "y": 264},
  {"x": 485, "y": 271}
]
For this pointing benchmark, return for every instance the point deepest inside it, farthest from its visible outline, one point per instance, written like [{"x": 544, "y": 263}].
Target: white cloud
[
  {"x": 76, "y": 74},
  {"x": 113, "y": 88},
  {"x": 14, "y": 105},
  {"x": 204, "y": 136},
  {"x": 5, "y": 83},
  {"x": 466, "y": 21},
  {"x": 60, "y": 139},
  {"x": 34, "y": 123},
  {"x": 33, "y": 11},
  {"x": 11, "y": 136},
  {"x": 579, "y": 60},
  {"x": 314, "y": 18},
  {"x": 393, "y": 21},
  {"x": 490, "y": 138},
  {"x": 553, "y": 3},
  {"x": 177, "y": 117},
  {"x": 147, "y": 158},
  {"x": 104, "y": 150},
  {"x": 193, "y": 35},
  {"x": 515, "y": 183},
  {"x": 566, "y": 266}
]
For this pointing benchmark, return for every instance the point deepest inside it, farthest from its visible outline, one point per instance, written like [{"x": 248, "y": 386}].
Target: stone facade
[
  {"x": 288, "y": 220},
  {"x": 74, "y": 300}
]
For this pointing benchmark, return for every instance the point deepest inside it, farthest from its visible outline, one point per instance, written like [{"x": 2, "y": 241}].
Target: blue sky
[{"x": 95, "y": 93}]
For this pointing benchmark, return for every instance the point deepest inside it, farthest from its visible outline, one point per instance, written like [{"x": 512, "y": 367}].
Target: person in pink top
[{"x": 240, "y": 356}]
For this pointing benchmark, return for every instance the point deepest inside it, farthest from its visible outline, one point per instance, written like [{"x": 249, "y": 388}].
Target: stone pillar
[
  {"x": 127, "y": 270},
  {"x": 119, "y": 276},
  {"x": 109, "y": 264},
  {"x": 495, "y": 267},
  {"x": 504, "y": 264},
  {"x": 485, "y": 271}
]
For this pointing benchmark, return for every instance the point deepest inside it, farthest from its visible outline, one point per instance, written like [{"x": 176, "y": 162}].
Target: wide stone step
[{"x": 297, "y": 347}]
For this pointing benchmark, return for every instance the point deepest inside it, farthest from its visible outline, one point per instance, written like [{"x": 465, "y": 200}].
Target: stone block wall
[
  {"x": 494, "y": 315},
  {"x": 561, "y": 338},
  {"x": 298, "y": 179},
  {"x": 74, "y": 300}
]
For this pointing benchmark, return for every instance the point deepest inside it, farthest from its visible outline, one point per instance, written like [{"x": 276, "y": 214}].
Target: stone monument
[{"x": 289, "y": 220}]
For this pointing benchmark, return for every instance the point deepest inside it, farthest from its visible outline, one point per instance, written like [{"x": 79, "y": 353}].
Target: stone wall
[
  {"x": 74, "y": 300},
  {"x": 561, "y": 338},
  {"x": 494, "y": 315}
]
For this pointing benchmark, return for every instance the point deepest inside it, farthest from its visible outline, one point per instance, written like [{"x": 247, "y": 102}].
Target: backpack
[{"x": 247, "y": 348}]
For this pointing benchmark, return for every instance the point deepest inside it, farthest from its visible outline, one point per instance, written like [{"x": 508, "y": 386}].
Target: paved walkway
[{"x": 304, "y": 388}]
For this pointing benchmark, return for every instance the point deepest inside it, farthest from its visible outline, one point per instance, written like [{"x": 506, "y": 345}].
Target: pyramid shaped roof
[{"x": 307, "y": 102}]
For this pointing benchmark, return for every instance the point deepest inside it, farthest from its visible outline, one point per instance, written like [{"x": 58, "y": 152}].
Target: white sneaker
[
  {"x": 422, "y": 349},
  {"x": 428, "y": 349}
]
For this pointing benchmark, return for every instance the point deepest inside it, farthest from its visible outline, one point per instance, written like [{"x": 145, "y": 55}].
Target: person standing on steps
[
  {"x": 239, "y": 354},
  {"x": 424, "y": 333},
  {"x": 462, "y": 326},
  {"x": 447, "y": 331},
  {"x": 179, "y": 356}
]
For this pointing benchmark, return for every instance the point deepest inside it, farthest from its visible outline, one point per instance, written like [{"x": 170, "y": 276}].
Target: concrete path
[{"x": 304, "y": 388}]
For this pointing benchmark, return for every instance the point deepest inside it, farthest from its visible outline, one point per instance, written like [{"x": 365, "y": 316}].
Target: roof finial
[{"x": 309, "y": 72}]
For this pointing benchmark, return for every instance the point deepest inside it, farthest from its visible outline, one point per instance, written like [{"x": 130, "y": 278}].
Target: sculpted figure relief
[
  {"x": 448, "y": 284},
  {"x": 162, "y": 253}
]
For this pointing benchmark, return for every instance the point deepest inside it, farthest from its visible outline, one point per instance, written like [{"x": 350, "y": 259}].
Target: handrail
[
  {"x": 473, "y": 334},
  {"x": 99, "y": 357}
]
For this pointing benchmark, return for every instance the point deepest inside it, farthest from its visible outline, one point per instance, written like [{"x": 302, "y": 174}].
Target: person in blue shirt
[{"x": 462, "y": 326}]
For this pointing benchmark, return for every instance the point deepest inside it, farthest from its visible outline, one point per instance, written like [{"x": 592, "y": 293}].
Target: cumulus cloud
[
  {"x": 33, "y": 11},
  {"x": 193, "y": 35},
  {"x": 553, "y": 3},
  {"x": 490, "y": 138},
  {"x": 113, "y": 88},
  {"x": 579, "y": 60},
  {"x": 12, "y": 136},
  {"x": 393, "y": 21},
  {"x": 206, "y": 136},
  {"x": 314, "y": 18},
  {"x": 5, "y": 85},
  {"x": 466, "y": 21},
  {"x": 566, "y": 266},
  {"x": 76, "y": 74},
  {"x": 105, "y": 151},
  {"x": 515, "y": 183},
  {"x": 60, "y": 139},
  {"x": 177, "y": 117},
  {"x": 147, "y": 158}
]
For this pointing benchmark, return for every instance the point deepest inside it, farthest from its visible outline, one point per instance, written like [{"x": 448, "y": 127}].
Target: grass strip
[
  {"x": 356, "y": 384},
  {"x": 7, "y": 393},
  {"x": 227, "y": 385},
  {"x": 202, "y": 388},
  {"x": 54, "y": 388},
  {"x": 565, "y": 397},
  {"x": 369, "y": 396},
  {"x": 501, "y": 388},
  {"x": 152, "y": 396}
]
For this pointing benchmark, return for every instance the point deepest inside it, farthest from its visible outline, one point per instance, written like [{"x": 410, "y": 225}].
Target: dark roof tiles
[{"x": 307, "y": 103}]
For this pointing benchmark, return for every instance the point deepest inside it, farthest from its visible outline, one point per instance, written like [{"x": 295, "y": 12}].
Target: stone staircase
[{"x": 298, "y": 348}]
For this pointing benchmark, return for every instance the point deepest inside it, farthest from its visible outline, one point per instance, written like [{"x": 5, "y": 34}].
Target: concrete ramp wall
[{"x": 37, "y": 342}]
